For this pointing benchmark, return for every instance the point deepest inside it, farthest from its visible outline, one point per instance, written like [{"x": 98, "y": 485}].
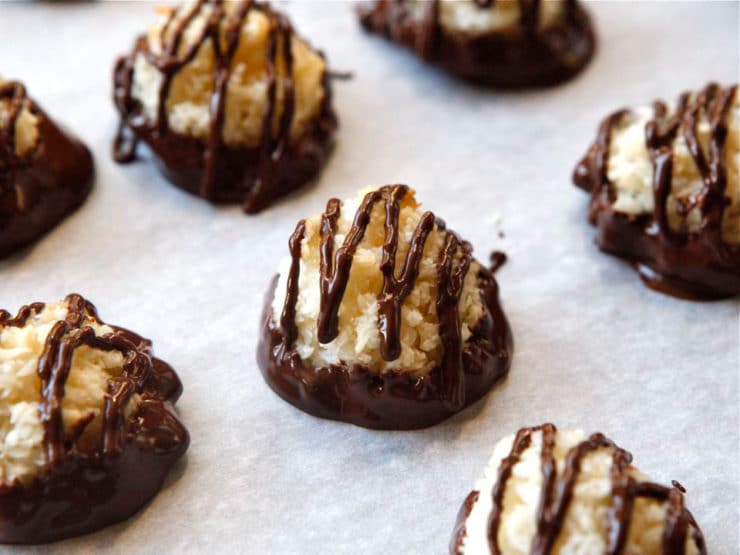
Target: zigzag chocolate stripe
[
  {"x": 557, "y": 493},
  {"x": 55, "y": 364},
  {"x": 454, "y": 262},
  {"x": 660, "y": 135}
]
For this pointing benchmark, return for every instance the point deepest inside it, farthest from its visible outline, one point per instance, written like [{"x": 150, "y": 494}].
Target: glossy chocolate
[
  {"x": 498, "y": 259},
  {"x": 524, "y": 56},
  {"x": 696, "y": 265},
  {"x": 42, "y": 186},
  {"x": 83, "y": 487},
  {"x": 558, "y": 490},
  {"x": 253, "y": 176},
  {"x": 459, "y": 531},
  {"x": 396, "y": 399}
]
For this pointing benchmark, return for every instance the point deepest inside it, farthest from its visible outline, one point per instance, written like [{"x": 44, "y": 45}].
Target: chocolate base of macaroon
[
  {"x": 86, "y": 492},
  {"x": 181, "y": 160},
  {"x": 237, "y": 170},
  {"x": 394, "y": 400},
  {"x": 506, "y": 59},
  {"x": 694, "y": 266},
  {"x": 43, "y": 187}
]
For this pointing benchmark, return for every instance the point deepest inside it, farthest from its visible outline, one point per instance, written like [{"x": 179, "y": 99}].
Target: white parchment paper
[{"x": 594, "y": 348}]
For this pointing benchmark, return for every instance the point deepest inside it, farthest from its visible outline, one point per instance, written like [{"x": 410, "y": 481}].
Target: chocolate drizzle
[
  {"x": 274, "y": 148},
  {"x": 660, "y": 134},
  {"x": 452, "y": 274},
  {"x": 256, "y": 176},
  {"x": 481, "y": 360},
  {"x": 691, "y": 264},
  {"x": 558, "y": 491},
  {"x": 337, "y": 264},
  {"x": 287, "y": 318},
  {"x": 396, "y": 289},
  {"x": 7, "y": 320},
  {"x": 223, "y": 59},
  {"x": 55, "y": 364},
  {"x": 498, "y": 259},
  {"x": 460, "y": 531},
  {"x": 87, "y": 485},
  {"x": 521, "y": 444},
  {"x": 522, "y": 56},
  {"x": 15, "y": 95}
]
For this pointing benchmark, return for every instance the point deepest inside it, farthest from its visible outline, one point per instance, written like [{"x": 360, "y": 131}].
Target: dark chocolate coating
[
  {"x": 395, "y": 400},
  {"x": 459, "y": 531},
  {"x": 696, "y": 265},
  {"x": 253, "y": 176},
  {"x": 85, "y": 488},
  {"x": 52, "y": 179},
  {"x": 558, "y": 490},
  {"x": 525, "y": 56}
]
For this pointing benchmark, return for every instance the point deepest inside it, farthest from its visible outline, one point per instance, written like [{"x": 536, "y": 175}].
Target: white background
[{"x": 594, "y": 348}]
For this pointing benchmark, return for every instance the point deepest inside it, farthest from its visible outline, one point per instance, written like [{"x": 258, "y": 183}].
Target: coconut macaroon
[
  {"x": 45, "y": 172},
  {"x": 88, "y": 430},
  {"x": 501, "y": 43},
  {"x": 234, "y": 105},
  {"x": 665, "y": 192},
  {"x": 382, "y": 317},
  {"x": 560, "y": 492}
]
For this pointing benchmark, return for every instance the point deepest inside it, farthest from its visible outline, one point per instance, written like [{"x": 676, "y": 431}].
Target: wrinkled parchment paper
[{"x": 594, "y": 348}]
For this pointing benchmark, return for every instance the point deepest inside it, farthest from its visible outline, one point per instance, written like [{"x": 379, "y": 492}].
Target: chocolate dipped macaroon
[
  {"x": 665, "y": 192},
  {"x": 560, "y": 492},
  {"x": 499, "y": 43},
  {"x": 382, "y": 317},
  {"x": 45, "y": 172},
  {"x": 233, "y": 104},
  {"x": 88, "y": 429}
]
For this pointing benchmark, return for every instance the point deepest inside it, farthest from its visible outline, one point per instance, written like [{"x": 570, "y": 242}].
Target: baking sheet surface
[{"x": 594, "y": 348}]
